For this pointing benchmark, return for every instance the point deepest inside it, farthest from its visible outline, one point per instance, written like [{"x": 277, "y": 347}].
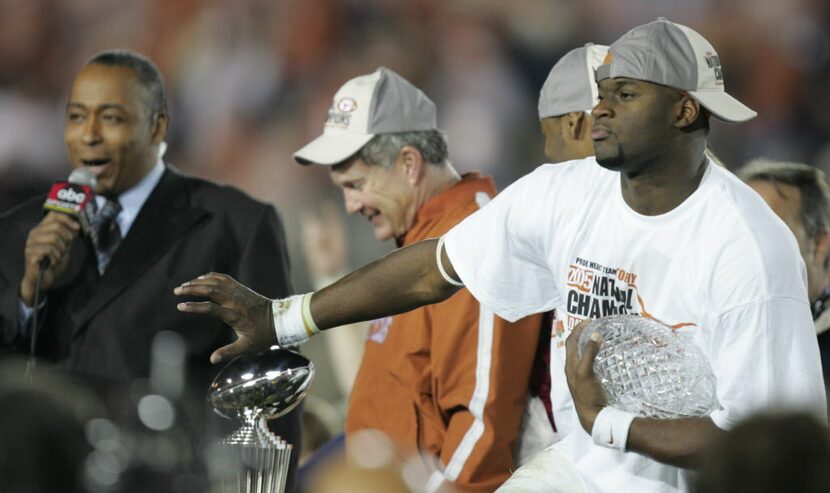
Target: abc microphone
[{"x": 75, "y": 197}]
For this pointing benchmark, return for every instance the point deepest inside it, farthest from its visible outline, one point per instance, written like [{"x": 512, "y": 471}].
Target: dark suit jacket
[{"x": 103, "y": 326}]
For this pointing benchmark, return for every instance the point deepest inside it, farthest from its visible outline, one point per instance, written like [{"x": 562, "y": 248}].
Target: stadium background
[{"x": 249, "y": 82}]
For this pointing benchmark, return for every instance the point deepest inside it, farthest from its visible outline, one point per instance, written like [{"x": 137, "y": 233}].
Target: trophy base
[{"x": 256, "y": 461}]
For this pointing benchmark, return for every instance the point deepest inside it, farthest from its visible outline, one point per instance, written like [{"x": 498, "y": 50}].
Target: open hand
[
  {"x": 587, "y": 392},
  {"x": 247, "y": 312}
]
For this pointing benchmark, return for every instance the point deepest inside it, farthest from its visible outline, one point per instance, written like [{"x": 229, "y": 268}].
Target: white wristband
[
  {"x": 292, "y": 320},
  {"x": 611, "y": 428},
  {"x": 441, "y": 265}
]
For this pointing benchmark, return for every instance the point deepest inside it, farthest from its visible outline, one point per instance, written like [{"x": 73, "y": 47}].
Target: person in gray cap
[
  {"x": 440, "y": 380},
  {"x": 648, "y": 226},
  {"x": 565, "y": 102}
]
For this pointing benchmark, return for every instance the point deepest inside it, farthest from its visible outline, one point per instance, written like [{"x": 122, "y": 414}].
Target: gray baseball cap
[
  {"x": 570, "y": 85},
  {"x": 674, "y": 55},
  {"x": 376, "y": 103}
]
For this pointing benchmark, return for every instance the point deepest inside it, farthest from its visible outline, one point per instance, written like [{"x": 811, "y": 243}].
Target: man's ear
[
  {"x": 821, "y": 245},
  {"x": 573, "y": 125},
  {"x": 687, "y": 112},
  {"x": 413, "y": 164},
  {"x": 158, "y": 129}
]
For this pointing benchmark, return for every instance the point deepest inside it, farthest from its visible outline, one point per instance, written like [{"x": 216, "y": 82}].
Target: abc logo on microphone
[
  {"x": 73, "y": 199},
  {"x": 71, "y": 195}
]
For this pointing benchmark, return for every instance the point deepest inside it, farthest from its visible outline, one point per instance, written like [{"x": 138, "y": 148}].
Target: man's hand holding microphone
[{"x": 69, "y": 207}]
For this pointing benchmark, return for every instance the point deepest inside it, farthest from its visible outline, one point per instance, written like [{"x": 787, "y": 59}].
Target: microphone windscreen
[{"x": 82, "y": 176}]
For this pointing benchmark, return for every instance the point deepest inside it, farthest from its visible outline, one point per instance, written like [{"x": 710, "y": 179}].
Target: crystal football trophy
[
  {"x": 252, "y": 388},
  {"x": 648, "y": 369}
]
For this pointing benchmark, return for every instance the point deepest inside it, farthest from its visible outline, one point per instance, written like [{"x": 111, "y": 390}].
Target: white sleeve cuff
[
  {"x": 24, "y": 312},
  {"x": 24, "y": 316}
]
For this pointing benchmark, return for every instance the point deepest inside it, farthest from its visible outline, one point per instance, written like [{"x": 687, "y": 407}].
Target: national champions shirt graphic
[{"x": 595, "y": 291}]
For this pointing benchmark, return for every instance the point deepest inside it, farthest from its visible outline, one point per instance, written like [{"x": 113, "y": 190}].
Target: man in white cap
[
  {"x": 649, "y": 226},
  {"x": 448, "y": 380},
  {"x": 696, "y": 250},
  {"x": 565, "y": 102}
]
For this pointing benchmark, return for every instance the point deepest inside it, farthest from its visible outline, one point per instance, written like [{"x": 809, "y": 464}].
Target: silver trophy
[
  {"x": 648, "y": 369},
  {"x": 252, "y": 388}
]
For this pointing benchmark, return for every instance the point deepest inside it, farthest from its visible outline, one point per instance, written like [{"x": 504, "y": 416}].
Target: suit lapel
[{"x": 164, "y": 217}]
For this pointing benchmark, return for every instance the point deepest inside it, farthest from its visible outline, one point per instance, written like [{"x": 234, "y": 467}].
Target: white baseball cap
[
  {"x": 674, "y": 55},
  {"x": 377, "y": 103},
  {"x": 570, "y": 85}
]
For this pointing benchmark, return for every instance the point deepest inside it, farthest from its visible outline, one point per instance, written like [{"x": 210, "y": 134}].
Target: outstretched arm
[{"x": 403, "y": 280}]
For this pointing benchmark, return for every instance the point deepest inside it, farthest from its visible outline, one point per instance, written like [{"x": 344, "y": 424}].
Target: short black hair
[{"x": 148, "y": 75}]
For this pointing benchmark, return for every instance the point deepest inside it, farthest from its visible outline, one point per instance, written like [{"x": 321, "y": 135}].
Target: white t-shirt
[{"x": 721, "y": 267}]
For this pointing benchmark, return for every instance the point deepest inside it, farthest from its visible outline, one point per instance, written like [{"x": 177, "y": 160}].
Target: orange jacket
[{"x": 448, "y": 380}]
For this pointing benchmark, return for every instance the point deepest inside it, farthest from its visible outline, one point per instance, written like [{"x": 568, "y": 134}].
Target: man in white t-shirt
[{"x": 649, "y": 226}]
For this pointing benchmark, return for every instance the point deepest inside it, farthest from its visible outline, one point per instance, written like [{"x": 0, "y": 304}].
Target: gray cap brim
[
  {"x": 331, "y": 149},
  {"x": 729, "y": 109},
  {"x": 677, "y": 56}
]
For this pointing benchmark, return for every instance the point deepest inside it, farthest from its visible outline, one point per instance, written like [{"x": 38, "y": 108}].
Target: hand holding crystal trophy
[
  {"x": 252, "y": 388},
  {"x": 649, "y": 370}
]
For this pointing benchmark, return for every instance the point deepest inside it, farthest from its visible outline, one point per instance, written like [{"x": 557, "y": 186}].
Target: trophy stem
[{"x": 263, "y": 457}]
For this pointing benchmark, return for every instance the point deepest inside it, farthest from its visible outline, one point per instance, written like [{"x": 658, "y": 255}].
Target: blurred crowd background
[{"x": 249, "y": 82}]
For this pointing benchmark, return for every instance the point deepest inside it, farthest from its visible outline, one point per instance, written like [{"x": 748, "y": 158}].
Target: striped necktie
[{"x": 104, "y": 233}]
